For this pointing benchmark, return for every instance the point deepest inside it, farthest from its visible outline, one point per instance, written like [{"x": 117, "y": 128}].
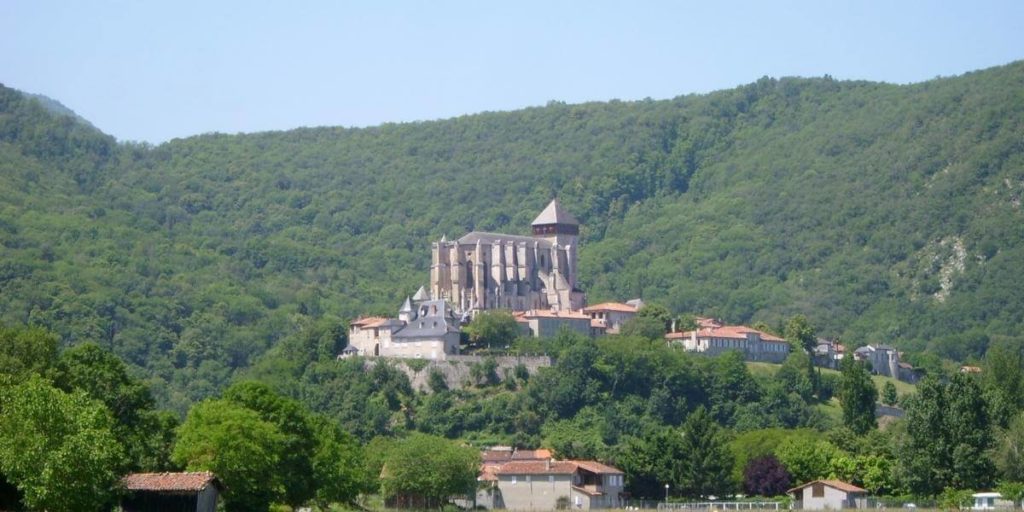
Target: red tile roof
[
  {"x": 704, "y": 322},
  {"x": 536, "y": 467},
  {"x": 611, "y": 306},
  {"x": 370, "y": 321},
  {"x": 496, "y": 455},
  {"x": 835, "y": 484},
  {"x": 727, "y": 331},
  {"x": 170, "y": 482},
  {"x": 538, "y": 454},
  {"x": 597, "y": 467}
]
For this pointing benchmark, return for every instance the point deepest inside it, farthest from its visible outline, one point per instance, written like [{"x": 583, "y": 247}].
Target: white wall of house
[
  {"x": 830, "y": 498},
  {"x": 534, "y": 492}
]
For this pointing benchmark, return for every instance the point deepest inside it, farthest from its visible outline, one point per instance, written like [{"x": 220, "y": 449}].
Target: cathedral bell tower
[{"x": 559, "y": 227}]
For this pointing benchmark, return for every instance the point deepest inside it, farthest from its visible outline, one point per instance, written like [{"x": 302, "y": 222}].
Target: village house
[
  {"x": 171, "y": 492},
  {"x": 552, "y": 485},
  {"x": 884, "y": 359},
  {"x": 425, "y": 329},
  {"x": 828, "y": 353},
  {"x": 714, "y": 340},
  {"x": 828, "y": 495},
  {"x": 547, "y": 323},
  {"x": 608, "y": 317}
]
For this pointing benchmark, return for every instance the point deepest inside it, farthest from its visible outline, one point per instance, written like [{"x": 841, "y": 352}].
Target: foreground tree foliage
[
  {"x": 948, "y": 434},
  {"x": 422, "y": 471},
  {"x": 857, "y": 394},
  {"x": 242, "y": 449},
  {"x": 58, "y": 449}
]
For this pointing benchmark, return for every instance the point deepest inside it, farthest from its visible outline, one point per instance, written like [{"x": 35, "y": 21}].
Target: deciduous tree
[{"x": 58, "y": 448}]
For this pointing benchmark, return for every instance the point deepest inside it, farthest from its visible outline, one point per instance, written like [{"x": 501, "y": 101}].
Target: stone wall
[{"x": 457, "y": 369}]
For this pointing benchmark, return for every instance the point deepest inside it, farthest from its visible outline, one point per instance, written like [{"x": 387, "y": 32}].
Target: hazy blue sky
[{"x": 147, "y": 70}]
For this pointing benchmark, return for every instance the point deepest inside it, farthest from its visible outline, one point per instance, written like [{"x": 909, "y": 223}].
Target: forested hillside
[{"x": 884, "y": 213}]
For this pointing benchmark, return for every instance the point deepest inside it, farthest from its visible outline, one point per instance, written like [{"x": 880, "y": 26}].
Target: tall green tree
[
  {"x": 242, "y": 449},
  {"x": 970, "y": 434},
  {"x": 105, "y": 378},
  {"x": 857, "y": 395},
  {"x": 925, "y": 452},
  {"x": 493, "y": 329},
  {"x": 1004, "y": 370},
  {"x": 948, "y": 437},
  {"x": 1008, "y": 454},
  {"x": 705, "y": 468},
  {"x": 800, "y": 333},
  {"x": 338, "y": 466},
  {"x": 658, "y": 313},
  {"x": 293, "y": 422},
  {"x": 423, "y": 471},
  {"x": 25, "y": 351},
  {"x": 889, "y": 396},
  {"x": 58, "y": 448}
]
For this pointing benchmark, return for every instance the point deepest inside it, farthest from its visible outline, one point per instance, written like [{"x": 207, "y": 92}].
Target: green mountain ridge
[{"x": 884, "y": 213}]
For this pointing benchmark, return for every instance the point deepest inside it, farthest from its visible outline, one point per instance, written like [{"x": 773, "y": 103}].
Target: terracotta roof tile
[
  {"x": 597, "y": 467},
  {"x": 611, "y": 306},
  {"x": 835, "y": 484},
  {"x": 169, "y": 482},
  {"x": 727, "y": 331},
  {"x": 538, "y": 454},
  {"x": 536, "y": 467},
  {"x": 370, "y": 321}
]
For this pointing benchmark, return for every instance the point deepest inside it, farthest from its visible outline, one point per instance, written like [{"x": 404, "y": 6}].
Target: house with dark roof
[
  {"x": 828, "y": 495},
  {"x": 171, "y": 492},
  {"x": 424, "y": 329}
]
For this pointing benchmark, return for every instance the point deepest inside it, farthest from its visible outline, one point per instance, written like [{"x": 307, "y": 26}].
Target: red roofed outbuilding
[
  {"x": 171, "y": 492},
  {"x": 828, "y": 495}
]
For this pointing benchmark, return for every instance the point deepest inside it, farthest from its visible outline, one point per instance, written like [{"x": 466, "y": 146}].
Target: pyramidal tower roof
[
  {"x": 421, "y": 295},
  {"x": 406, "y": 306},
  {"x": 555, "y": 214}
]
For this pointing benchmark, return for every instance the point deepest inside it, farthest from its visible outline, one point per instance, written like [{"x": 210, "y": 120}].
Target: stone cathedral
[{"x": 496, "y": 271}]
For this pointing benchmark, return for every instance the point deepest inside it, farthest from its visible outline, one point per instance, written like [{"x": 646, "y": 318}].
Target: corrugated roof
[
  {"x": 554, "y": 214},
  {"x": 170, "y": 482}
]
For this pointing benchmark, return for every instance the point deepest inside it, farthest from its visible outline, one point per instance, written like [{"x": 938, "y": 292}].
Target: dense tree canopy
[
  {"x": 877, "y": 211},
  {"x": 58, "y": 449}
]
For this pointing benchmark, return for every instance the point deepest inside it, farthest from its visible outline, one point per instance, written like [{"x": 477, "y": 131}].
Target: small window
[
  {"x": 818, "y": 490},
  {"x": 514, "y": 477}
]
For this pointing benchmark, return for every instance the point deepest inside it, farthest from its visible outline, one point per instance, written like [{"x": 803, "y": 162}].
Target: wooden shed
[{"x": 171, "y": 492}]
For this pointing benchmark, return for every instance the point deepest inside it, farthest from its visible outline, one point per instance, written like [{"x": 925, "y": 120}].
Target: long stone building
[{"x": 482, "y": 271}]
